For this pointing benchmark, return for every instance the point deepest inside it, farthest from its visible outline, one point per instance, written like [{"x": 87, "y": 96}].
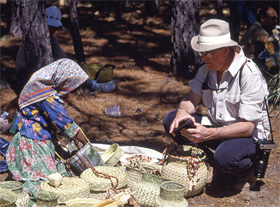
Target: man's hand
[
  {"x": 180, "y": 116},
  {"x": 197, "y": 134}
]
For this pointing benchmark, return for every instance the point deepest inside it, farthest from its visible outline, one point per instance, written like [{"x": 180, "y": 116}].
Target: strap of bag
[
  {"x": 84, "y": 135},
  {"x": 67, "y": 161},
  {"x": 99, "y": 71},
  {"x": 103, "y": 175}
]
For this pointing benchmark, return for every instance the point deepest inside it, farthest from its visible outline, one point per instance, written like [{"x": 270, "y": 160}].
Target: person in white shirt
[{"x": 233, "y": 89}]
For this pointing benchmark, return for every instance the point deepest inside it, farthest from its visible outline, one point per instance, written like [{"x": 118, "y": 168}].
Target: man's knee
[{"x": 167, "y": 120}]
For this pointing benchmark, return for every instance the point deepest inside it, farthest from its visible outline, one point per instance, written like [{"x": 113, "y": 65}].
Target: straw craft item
[
  {"x": 71, "y": 187},
  {"x": 46, "y": 199},
  {"x": 171, "y": 195},
  {"x": 23, "y": 199},
  {"x": 100, "y": 178},
  {"x": 14, "y": 186},
  {"x": 147, "y": 188},
  {"x": 190, "y": 171},
  {"x": 112, "y": 155},
  {"x": 7, "y": 198},
  {"x": 84, "y": 202},
  {"x": 136, "y": 168}
]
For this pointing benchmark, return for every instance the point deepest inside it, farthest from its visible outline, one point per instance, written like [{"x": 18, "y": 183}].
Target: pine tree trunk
[
  {"x": 220, "y": 8},
  {"x": 36, "y": 37},
  {"x": 75, "y": 32},
  {"x": 14, "y": 8},
  {"x": 185, "y": 22}
]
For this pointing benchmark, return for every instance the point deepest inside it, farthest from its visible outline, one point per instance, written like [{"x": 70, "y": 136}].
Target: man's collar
[{"x": 237, "y": 63}]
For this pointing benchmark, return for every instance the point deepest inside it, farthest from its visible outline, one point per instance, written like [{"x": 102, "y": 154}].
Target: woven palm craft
[
  {"x": 144, "y": 178},
  {"x": 71, "y": 187},
  {"x": 148, "y": 189},
  {"x": 23, "y": 199},
  {"x": 84, "y": 202},
  {"x": 46, "y": 199},
  {"x": 171, "y": 195},
  {"x": 139, "y": 165},
  {"x": 190, "y": 171},
  {"x": 101, "y": 178},
  {"x": 7, "y": 198},
  {"x": 112, "y": 155}
]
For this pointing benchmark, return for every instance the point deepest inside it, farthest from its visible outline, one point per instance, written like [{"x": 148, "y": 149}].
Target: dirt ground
[{"x": 140, "y": 49}]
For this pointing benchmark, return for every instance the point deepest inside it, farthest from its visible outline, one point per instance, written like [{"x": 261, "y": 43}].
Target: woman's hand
[{"x": 80, "y": 140}]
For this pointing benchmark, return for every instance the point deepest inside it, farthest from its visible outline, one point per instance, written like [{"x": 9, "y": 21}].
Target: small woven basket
[
  {"x": 112, "y": 155},
  {"x": 190, "y": 171},
  {"x": 7, "y": 198},
  {"x": 71, "y": 187},
  {"x": 147, "y": 189},
  {"x": 136, "y": 170},
  {"x": 102, "y": 183},
  {"x": 171, "y": 195}
]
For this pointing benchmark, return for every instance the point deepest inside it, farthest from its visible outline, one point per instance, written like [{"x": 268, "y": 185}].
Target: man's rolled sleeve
[{"x": 252, "y": 98}]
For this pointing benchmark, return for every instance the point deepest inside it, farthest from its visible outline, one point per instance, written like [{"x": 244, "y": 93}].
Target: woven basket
[
  {"x": 97, "y": 183},
  {"x": 71, "y": 187},
  {"x": 135, "y": 173},
  {"x": 112, "y": 155},
  {"x": 178, "y": 169},
  {"x": 7, "y": 198},
  {"x": 84, "y": 202},
  {"x": 23, "y": 199},
  {"x": 171, "y": 195},
  {"x": 147, "y": 189}
]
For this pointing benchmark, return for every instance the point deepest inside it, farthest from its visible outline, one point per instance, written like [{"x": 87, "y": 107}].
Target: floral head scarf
[{"x": 61, "y": 76}]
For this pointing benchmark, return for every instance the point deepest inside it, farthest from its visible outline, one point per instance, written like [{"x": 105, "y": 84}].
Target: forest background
[{"x": 139, "y": 45}]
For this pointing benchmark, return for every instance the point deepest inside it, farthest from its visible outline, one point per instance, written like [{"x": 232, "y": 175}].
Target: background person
[
  {"x": 54, "y": 23},
  {"x": 236, "y": 109},
  {"x": 31, "y": 154},
  {"x": 257, "y": 35}
]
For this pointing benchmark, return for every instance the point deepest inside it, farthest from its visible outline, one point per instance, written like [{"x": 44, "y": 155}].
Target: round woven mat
[
  {"x": 84, "y": 202},
  {"x": 71, "y": 187},
  {"x": 7, "y": 198},
  {"x": 97, "y": 183},
  {"x": 112, "y": 155},
  {"x": 14, "y": 186}
]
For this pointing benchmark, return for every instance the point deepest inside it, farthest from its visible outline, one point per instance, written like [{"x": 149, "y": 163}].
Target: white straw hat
[
  {"x": 213, "y": 34},
  {"x": 54, "y": 16}
]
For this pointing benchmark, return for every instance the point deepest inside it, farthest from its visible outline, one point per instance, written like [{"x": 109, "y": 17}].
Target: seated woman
[{"x": 31, "y": 154}]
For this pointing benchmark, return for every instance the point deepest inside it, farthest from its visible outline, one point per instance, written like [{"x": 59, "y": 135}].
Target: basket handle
[{"x": 103, "y": 175}]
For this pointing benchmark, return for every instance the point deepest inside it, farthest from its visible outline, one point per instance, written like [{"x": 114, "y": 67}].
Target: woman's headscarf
[{"x": 61, "y": 76}]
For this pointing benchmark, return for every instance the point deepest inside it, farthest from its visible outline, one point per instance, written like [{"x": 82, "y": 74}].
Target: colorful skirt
[{"x": 31, "y": 161}]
